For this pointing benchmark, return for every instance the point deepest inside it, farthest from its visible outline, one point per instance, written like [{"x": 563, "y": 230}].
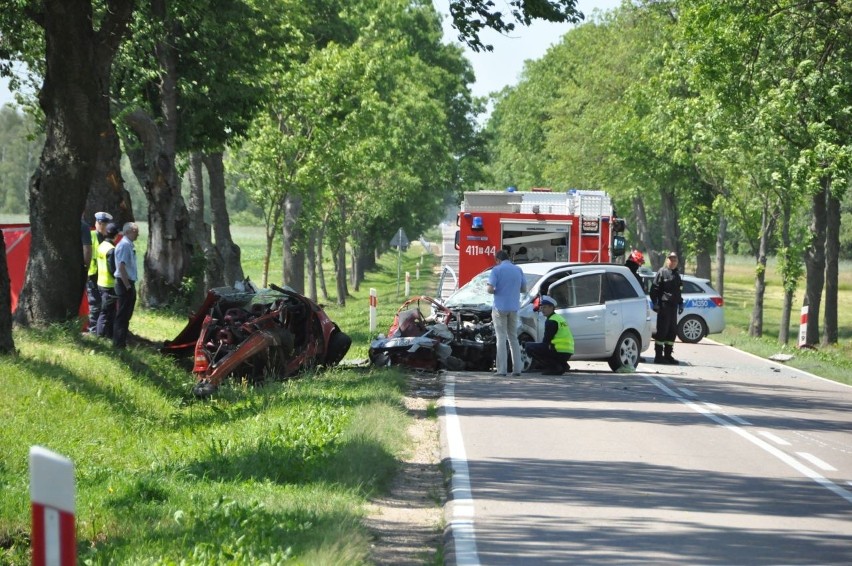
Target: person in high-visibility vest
[
  {"x": 557, "y": 345},
  {"x": 105, "y": 256},
  {"x": 93, "y": 296}
]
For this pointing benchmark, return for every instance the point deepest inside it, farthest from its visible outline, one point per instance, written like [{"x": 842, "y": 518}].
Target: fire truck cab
[{"x": 538, "y": 225}]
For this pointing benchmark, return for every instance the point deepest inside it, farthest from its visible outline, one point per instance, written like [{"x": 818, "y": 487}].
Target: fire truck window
[{"x": 618, "y": 287}]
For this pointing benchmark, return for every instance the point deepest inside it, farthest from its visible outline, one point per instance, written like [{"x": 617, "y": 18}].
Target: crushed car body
[
  {"x": 253, "y": 333},
  {"x": 452, "y": 339}
]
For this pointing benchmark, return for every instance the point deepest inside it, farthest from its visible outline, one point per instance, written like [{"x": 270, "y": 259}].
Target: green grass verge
[
  {"x": 274, "y": 474},
  {"x": 831, "y": 362}
]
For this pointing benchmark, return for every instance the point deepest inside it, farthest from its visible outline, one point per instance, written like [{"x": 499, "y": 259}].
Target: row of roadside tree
[{"x": 715, "y": 125}]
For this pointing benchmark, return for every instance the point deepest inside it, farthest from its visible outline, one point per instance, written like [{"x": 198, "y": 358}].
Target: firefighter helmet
[{"x": 637, "y": 257}]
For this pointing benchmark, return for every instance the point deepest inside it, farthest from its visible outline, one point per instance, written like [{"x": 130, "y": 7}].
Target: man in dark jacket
[
  {"x": 668, "y": 304},
  {"x": 557, "y": 345},
  {"x": 634, "y": 261}
]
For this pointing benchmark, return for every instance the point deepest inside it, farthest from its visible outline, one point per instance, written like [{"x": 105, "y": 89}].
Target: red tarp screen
[{"x": 18, "y": 238}]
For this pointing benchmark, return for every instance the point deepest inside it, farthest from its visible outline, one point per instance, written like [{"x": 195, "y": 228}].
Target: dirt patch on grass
[{"x": 407, "y": 523}]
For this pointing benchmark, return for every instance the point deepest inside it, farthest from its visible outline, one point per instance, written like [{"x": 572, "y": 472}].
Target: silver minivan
[{"x": 603, "y": 303}]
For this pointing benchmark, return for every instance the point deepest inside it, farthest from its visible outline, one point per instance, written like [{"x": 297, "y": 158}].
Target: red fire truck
[{"x": 539, "y": 225}]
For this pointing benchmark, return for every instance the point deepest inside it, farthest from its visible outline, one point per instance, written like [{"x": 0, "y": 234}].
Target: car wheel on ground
[
  {"x": 338, "y": 345},
  {"x": 526, "y": 359},
  {"x": 691, "y": 329},
  {"x": 626, "y": 353}
]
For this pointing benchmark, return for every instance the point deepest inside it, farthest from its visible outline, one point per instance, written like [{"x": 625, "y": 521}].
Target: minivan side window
[
  {"x": 580, "y": 291},
  {"x": 548, "y": 281},
  {"x": 618, "y": 287}
]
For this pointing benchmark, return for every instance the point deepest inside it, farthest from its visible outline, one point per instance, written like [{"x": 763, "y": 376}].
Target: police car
[{"x": 703, "y": 308}]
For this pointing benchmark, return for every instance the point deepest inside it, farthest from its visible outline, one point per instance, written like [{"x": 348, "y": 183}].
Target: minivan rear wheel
[{"x": 626, "y": 352}]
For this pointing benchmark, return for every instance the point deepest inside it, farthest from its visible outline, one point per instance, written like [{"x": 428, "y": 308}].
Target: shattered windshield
[{"x": 475, "y": 292}]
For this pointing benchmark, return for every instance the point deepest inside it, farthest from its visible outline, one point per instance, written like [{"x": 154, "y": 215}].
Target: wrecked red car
[{"x": 255, "y": 333}]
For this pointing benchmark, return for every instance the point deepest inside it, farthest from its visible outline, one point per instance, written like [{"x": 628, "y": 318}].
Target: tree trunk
[
  {"x": 755, "y": 327},
  {"x": 832, "y": 262},
  {"x": 169, "y": 254},
  {"x": 671, "y": 233},
  {"x": 7, "y": 342},
  {"x": 788, "y": 282},
  {"x": 340, "y": 256},
  {"x": 643, "y": 235},
  {"x": 170, "y": 250},
  {"x": 311, "y": 266},
  {"x": 212, "y": 261},
  {"x": 267, "y": 255},
  {"x": 815, "y": 264},
  {"x": 321, "y": 272},
  {"x": 75, "y": 114},
  {"x": 107, "y": 191},
  {"x": 703, "y": 265},
  {"x": 293, "y": 254},
  {"x": 721, "y": 236},
  {"x": 228, "y": 250},
  {"x": 368, "y": 260}
]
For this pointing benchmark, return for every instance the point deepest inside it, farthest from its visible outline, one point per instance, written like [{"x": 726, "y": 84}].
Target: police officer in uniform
[
  {"x": 105, "y": 257},
  {"x": 557, "y": 345},
  {"x": 93, "y": 296},
  {"x": 668, "y": 304}
]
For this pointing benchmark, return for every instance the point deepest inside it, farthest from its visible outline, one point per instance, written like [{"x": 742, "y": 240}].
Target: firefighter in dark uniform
[{"x": 668, "y": 304}]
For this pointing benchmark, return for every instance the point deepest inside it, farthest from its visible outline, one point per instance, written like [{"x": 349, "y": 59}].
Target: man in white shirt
[{"x": 125, "y": 284}]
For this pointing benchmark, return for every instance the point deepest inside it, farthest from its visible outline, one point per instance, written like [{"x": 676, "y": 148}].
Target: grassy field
[{"x": 279, "y": 474}]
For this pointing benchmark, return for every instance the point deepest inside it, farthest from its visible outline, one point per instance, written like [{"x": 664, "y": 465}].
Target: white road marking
[
  {"x": 822, "y": 464},
  {"x": 461, "y": 524},
  {"x": 716, "y": 408},
  {"x": 776, "y": 439},
  {"x": 783, "y": 456},
  {"x": 687, "y": 392}
]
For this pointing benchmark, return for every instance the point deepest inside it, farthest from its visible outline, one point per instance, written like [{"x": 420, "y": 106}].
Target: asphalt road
[{"x": 726, "y": 459}]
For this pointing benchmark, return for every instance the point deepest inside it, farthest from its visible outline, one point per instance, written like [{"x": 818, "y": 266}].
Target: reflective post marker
[
  {"x": 373, "y": 304},
  {"x": 52, "y": 496},
  {"x": 803, "y": 325},
  {"x": 407, "y": 284}
]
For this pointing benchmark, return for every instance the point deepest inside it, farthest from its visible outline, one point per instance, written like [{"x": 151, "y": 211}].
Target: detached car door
[{"x": 579, "y": 298}]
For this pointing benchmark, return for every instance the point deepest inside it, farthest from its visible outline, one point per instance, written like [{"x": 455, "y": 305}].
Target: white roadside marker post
[
  {"x": 374, "y": 302},
  {"x": 53, "y": 537}
]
